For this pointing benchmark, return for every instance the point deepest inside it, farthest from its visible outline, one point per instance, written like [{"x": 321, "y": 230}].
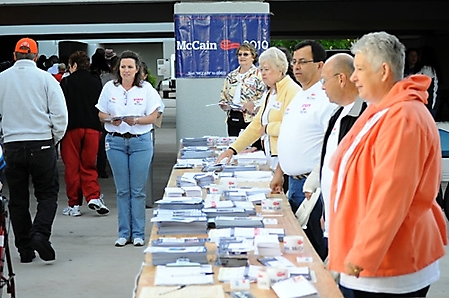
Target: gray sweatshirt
[{"x": 32, "y": 105}]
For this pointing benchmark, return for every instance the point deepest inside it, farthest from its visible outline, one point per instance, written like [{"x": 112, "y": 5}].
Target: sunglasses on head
[{"x": 243, "y": 54}]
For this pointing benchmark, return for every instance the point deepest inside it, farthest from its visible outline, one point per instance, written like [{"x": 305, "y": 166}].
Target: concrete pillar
[{"x": 193, "y": 118}]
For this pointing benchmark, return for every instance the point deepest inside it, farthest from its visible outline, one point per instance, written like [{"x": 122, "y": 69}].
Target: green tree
[{"x": 333, "y": 44}]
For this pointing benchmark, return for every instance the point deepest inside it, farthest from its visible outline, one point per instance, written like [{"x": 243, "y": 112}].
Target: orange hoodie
[{"x": 384, "y": 216}]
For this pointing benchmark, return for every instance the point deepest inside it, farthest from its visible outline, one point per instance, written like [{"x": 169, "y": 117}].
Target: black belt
[
  {"x": 125, "y": 135},
  {"x": 300, "y": 177}
]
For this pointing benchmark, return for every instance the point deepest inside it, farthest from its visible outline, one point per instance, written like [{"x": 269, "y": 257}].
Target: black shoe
[
  {"x": 43, "y": 247},
  {"x": 27, "y": 256}
]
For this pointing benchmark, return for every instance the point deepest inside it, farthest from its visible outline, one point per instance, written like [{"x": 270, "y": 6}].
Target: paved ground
[{"x": 88, "y": 265}]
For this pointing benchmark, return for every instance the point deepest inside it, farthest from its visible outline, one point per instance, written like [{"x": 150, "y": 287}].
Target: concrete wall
[{"x": 193, "y": 118}]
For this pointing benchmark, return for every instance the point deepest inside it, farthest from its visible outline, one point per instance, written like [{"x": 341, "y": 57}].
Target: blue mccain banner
[{"x": 206, "y": 44}]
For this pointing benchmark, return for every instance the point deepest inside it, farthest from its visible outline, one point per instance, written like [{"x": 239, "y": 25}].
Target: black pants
[
  {"x": 101, "y": 155},
  {"x": 361, "y": 294},
  {"x": 38, "y": 160},
  {"x": 314, "y": 231},
  {"x": 236, "y": 123}
]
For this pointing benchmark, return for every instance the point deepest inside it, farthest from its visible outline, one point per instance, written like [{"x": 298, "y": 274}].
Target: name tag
[{"x": 277, "y": 105}]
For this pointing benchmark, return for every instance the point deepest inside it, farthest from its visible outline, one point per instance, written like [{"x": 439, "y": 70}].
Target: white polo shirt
[
  {"x": 302, "y": 130},
  {"x": 137, "y": 101}
]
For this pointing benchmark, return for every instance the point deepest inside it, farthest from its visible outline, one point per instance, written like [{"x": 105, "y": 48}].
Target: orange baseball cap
[{"x": 26, "y": 45}]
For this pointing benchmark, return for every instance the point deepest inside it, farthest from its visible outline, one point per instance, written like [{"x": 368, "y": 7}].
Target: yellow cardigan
[{"x": 286, "y": 90}]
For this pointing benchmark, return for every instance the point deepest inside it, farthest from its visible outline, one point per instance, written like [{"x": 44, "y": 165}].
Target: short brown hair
[
  {"x": 81, "y": 59},
  {"x": 248, "y": 47}
]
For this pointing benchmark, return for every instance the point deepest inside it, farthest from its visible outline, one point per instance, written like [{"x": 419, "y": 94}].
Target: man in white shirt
[
  {"x": 340, "y": 90},
  {"x": 301, "y": 134}
]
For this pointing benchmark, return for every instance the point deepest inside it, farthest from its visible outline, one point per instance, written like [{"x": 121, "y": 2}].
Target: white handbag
[{"x": 306, "y": 207}]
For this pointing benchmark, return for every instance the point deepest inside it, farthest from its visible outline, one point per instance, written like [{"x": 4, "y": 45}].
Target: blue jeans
[
  {"x": 130, "y": 161},
  {"x": 295, "y": 193}
]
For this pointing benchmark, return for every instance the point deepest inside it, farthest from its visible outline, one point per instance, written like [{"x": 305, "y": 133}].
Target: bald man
[{"x": 340, "y": 90}]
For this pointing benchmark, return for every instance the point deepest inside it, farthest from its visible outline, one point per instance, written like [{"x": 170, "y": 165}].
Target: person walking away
[
  {"x": 79, "y": 146},
  {"x": 34, "y": 119}
]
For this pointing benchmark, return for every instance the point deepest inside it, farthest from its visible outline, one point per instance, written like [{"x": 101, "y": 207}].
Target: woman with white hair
[
  {"x": 387, "y": 232},
  {"x": 280, "y": 91}
]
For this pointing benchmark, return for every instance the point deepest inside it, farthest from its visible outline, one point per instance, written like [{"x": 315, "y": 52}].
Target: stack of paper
[
  {"x": 252, "y": 158},
  {"x": 180, "y": 222},
  {"x": 234, "y": 252},
  {"x": 238, "y": 168},
  {"x": 193, "y": 191},
  {"x": 267, "y": 245},
  {"x": 164, "y": 255},
  {"x": 197, "y": 275},
  {"x": 249, "y": 233},
  {"x": 180, "y": 203},
  {"x": 234, "y": 194},
  {"x": 188, "y": 142},
  {"x": 172, "y": 242},
  {"x": 242, "y": 222},
  {"x": 174, "y": 191},
  {"x": 254, "y": 175},
  {"x": 245, "y": 272},
  {"x": 205, "y": 179},
  {"x": 294, "y": 287},
  {"x": 198, "y": 152}
]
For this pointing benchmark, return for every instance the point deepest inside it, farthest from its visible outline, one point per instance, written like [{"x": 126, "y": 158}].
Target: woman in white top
[{"x": 129, "y": 106}]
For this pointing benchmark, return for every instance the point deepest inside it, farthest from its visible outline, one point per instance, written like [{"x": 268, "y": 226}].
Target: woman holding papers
[
  {"x": 266, "y": 123},
  {"x": 129, "y": 106},
  {"x": 242, "y": 90}
]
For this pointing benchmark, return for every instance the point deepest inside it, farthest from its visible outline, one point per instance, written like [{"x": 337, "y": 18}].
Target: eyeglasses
[
  {"x": 301, "y": 62},
  {"x": 323, "y": 81},
  {"x": 243, "y": 54}
]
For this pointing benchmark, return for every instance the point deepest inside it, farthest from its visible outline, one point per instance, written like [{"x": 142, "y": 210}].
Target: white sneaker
[
  {"x": 98, "y": 205},
  {"x": 121, "y": 242},
  {"x": 72, "y": 211},
  {"x": 138, "y": 242}
]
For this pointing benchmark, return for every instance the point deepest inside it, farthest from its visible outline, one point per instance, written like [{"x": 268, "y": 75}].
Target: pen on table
[{"x": 172, "y": 290}]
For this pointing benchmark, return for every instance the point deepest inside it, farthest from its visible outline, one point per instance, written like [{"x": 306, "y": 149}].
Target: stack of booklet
[
  {"x": 187, "y": 221},
  {"x": 253, "y": 158},
  {"x": 242, "y": 222},
  {"x": 238, "y": 168},
  {"x": 190, "y": 142},
  {"x": 196, "y": 152},
  {"x": 246, "y": 233},
  {"x": 193, "y": 191},
  {"x": 235, "y": 194},
  {"x": 267, "y": 245},
  {"x": 161, "y": 255},
  {"x": 229, "y": 208},
  {"x": 180, "y": 203},
  {"x": 174, "y": 191},
  {"x": 195, "y": 179}
]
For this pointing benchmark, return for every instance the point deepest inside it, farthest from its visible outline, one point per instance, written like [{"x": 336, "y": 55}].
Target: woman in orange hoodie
[{"x": 387, "y": 232}]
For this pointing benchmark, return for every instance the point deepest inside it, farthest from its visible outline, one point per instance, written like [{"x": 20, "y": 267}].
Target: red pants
[{"x": 79, "y": 149}]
